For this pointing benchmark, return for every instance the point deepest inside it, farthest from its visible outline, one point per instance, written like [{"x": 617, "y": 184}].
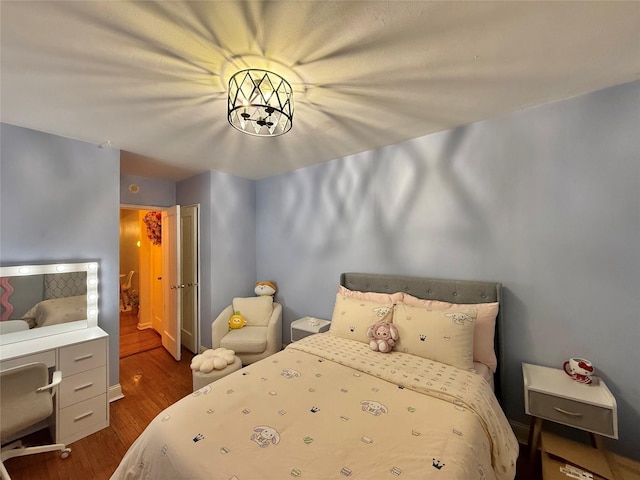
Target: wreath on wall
[{"x": 153, "y": 221}]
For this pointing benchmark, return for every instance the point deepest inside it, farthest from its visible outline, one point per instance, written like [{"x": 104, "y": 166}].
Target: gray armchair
[{"x": 252, "y": 342}]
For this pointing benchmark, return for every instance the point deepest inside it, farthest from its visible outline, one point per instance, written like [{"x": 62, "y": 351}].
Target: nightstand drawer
[{"x": 573, "y": 413}]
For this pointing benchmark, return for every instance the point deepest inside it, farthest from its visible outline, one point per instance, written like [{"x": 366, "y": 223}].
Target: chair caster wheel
[{"x": 65, "y": 453}]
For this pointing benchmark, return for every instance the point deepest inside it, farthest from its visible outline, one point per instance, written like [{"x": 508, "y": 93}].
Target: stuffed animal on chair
[
  {"x": 236, "y": 321},
  {"x": 265, "y": 288},
  {"x": 382, "y": 336}
]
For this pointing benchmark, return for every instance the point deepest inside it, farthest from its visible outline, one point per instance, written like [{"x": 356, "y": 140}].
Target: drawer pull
[
  {"x": 84, "y": 415},
  {"x": 566, "y": 412},
  {"x": 84, "y": 357},
  {"x": 82, "y": 387}
]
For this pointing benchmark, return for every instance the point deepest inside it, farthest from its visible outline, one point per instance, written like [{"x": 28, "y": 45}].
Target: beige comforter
[{"x": 330, "y": 408}]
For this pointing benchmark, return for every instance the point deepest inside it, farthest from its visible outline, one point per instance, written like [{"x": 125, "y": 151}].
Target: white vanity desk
[{"x": 81, "y": 403}]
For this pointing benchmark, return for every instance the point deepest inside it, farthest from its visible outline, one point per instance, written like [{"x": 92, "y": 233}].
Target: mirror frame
[{"x": 91, "y": 269}]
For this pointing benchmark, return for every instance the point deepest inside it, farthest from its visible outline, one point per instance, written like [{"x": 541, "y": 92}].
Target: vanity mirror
[{"x": 42, "y": 300}]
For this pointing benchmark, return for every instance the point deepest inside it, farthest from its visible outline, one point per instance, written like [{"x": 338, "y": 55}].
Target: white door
[
  {"x": 171, "y": 286},
  {"x": 190, "y": 277}
]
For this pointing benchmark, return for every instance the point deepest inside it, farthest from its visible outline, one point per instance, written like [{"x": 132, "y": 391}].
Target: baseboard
[
  {"x": 143, "y": 326},
  {"x": 521, "y": 431},
  {"x": 115, "y": 393}
]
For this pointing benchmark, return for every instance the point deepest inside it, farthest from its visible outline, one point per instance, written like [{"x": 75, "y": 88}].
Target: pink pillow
[
  {"x": 485, "y": 325},
  {"x": 371, "y": 296}
]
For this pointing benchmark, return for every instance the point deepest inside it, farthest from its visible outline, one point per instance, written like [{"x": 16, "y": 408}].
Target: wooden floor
[
  {"x": 523, "y": 470},
  {"x": 151, "y": 381},
  {"x": 134, "y": 341}
]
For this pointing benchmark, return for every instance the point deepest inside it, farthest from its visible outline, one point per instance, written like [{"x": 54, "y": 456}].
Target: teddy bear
[
  {"x": 213, "y": 360},
  {"x": 382, "y": 336}
]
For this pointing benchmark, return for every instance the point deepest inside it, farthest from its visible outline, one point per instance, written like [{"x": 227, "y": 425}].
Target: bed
[
  {"x": 56, "y": 310},
  {"x": 330, "y": 407}
]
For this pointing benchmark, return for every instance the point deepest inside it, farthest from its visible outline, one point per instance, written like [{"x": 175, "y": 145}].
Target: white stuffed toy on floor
[{"x": 213, "y": 360}]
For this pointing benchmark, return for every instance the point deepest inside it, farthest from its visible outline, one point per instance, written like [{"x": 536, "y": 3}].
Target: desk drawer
[
  {"x": 573, "y": 413},
  {"x": 48, "y": 358},
  {"x": 82, "y": 386},
  {"x": 83, "y": 356},
  {"x": 83, "y": 415}
]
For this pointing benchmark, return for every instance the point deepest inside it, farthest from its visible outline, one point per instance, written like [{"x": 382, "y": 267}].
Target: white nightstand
[
  {"x": 302, "y": 328},
  {"x": 550, "y": 394}
]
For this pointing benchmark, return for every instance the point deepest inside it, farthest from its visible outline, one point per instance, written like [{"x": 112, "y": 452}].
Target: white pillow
[
  {"x": 446, "y": 337},
  {"x": 352, "y": 317},
  {"x": 255, "y": 310}
]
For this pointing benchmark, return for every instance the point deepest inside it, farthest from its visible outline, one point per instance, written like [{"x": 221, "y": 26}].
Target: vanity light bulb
[
  {"x": 92, "y": 296},
  {"x": 93, "y": 266},
  {"x": 60, "y": 268},
  {"x": 92, "y": 281},
  {"x": 23, "y": 270},
  {"x": 92, "y": 312}
]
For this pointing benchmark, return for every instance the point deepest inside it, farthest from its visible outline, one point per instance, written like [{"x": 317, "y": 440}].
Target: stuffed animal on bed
[
  {"x": 382, "y": 336},
  {"x": 213, "y": 360}
]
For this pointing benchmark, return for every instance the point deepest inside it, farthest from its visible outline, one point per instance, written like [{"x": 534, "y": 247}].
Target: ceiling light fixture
[{"x": 260, "y": 103}]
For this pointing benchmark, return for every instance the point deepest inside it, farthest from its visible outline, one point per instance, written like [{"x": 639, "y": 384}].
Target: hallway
[{"x": 134, "y": 341}]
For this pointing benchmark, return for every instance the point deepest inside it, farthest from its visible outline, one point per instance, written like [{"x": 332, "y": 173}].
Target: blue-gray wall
[
  {"x": 59, "y": 201},
  {"x": 227, "y": 240},
  {"x": 233, "y": 244},
  {"x": 152, "y": 192},
  {"x": 546, "y": 201}
]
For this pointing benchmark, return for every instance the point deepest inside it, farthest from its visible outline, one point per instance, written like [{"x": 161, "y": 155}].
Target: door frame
[
  {"x": 130, "y": 206},
  {"x": 196, "y": 206}
]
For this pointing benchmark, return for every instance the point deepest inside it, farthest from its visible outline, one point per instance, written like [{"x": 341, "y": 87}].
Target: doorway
[
  {"x": 146, "y": 317},
  {"x": 140, "y": 297}
]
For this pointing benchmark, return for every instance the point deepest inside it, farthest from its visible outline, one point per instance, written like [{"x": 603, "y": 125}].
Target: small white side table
[
  {"x": 550, "y": 394},
  {"x": 302, "y": 328}
]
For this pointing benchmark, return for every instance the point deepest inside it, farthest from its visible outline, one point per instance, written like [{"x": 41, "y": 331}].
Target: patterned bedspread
[
  {"x": 330, "y": 408},
  {"x": 57, "y": 310}
]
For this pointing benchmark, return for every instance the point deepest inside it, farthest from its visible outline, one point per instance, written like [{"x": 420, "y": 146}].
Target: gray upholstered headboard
[{"x": 453, "y": 291}]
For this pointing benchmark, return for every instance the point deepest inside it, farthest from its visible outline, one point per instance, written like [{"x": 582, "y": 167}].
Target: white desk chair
[
  {"x": 125, "y": 290},
  {"x": 26, "y": 398}
]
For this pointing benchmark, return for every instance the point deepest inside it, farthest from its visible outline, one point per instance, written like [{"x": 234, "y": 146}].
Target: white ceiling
[{"x": 151, "y": 78}]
